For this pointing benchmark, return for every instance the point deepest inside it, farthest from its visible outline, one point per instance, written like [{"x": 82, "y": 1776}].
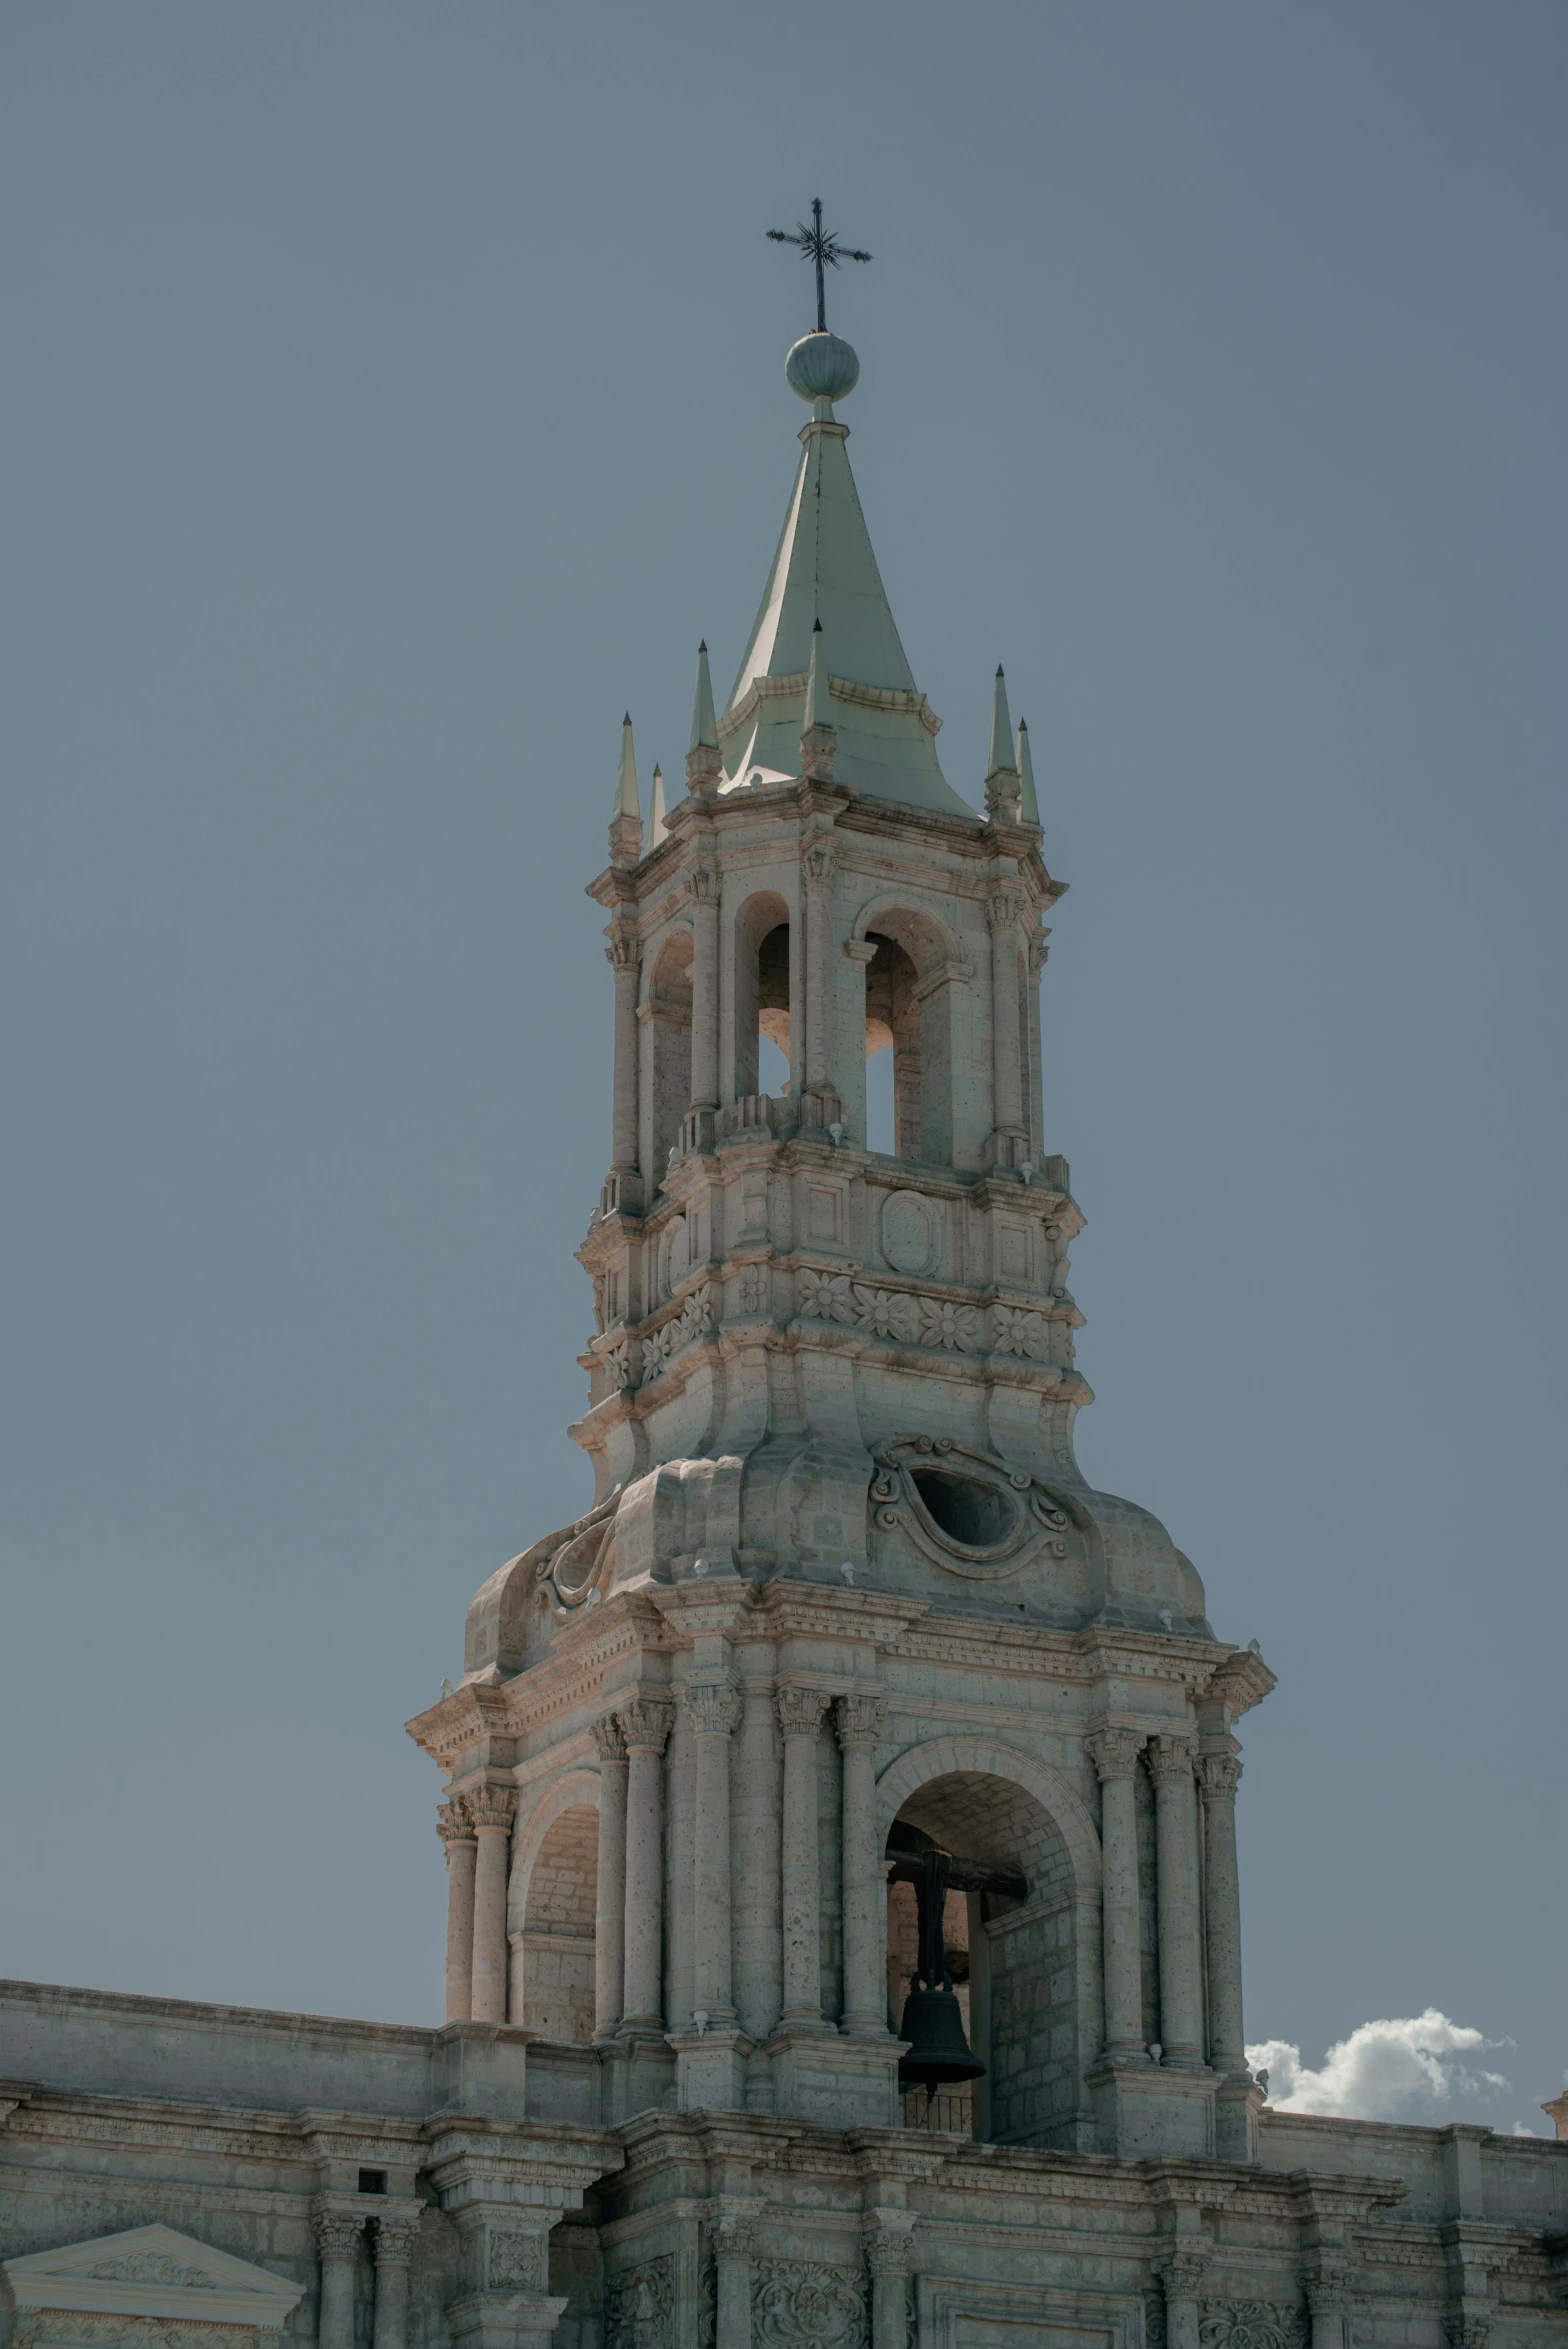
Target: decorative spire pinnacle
[
  {"x": 1002, "y": 780},
  {"x": 658, "y": 829},
  {"x": 704, "y": 767},
  {"x": 626, "y": 816},
  {"x": 819, "y": 736},
  {"x": 1030, "y": 808}
]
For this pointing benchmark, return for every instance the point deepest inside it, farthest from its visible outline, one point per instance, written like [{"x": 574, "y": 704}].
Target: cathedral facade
[{"x": 843, "y": 1933}]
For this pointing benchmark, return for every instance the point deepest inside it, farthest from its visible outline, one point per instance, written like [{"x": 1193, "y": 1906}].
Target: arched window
[
  {"x": 909, "y": 963},
  {"x": 761, "y": 1062},
  {"x": 668, "y": 1011}
]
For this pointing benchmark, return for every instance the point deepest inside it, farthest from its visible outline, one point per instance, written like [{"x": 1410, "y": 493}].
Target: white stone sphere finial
[{"x": 822, "y": 366}]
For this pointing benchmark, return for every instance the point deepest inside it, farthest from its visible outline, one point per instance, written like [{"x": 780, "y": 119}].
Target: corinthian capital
[
  {"x": 646, "y": 1723},
  {"x": 1114, "y": 1752},
  {"x": 1219, "y": 1775},
  {"x": 1004, "y": 908},
  {"x": 858, "y": 1719},
  {"x": 1170, "y": 1760},
  {"x": 714, "y": 1707},
  {"x": 396, "y": 2234},
  {"x": 624, "y": 954},
  {"x": 453, "y": 1823},
  {"x": 889, "y": 2250},
  {"x": 800, "y": 1710},
  {"x": 609, "y": 1740},
  {"x": 818, "y": 863},
  {"x": 337, "y": 2232},
  {"x": 492, "y": 1806}
]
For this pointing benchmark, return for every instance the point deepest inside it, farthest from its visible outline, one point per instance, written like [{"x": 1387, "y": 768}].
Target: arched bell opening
[
  {"x": 893, "y": 1089},
  {"x": 667, "y": 1012},
  {"x": 909, "y": 963},
  {"x": 761, "y": 996},
  {"x": 989, "y": 1853},
  {"x": 557, "y": 1940}
]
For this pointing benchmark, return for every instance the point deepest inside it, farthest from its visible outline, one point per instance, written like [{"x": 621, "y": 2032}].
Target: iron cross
[{"x": 818, "y": 244}]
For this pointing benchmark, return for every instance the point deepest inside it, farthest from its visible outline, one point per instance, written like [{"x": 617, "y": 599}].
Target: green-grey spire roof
[
  {"x": 704, "y": 725},
  {"x": 627, "y": 802},
  {"x": 1001, "y": 760},
  {"x": 824, "y": 570},
  {"x": 1030, "y": 809},
  {"x": 658, "y": 829}
]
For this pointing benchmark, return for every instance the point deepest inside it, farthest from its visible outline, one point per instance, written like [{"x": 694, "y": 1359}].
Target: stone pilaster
[
  {"x": 1004, "y": 911},
  {"x": 1176, "y": 1886},
  {"x": 1114, "y": 1753},
  {"x": 609, "y": 1917},
  {"x": 395, "y": 2231},
  {"x": 858, "y": 1720},
  {"x": 800, "y": 1719},
  {"x": 714, "y": 1707},
  {"x": 1328, "y": 2292},
  {"x": 1181, "y": 2275},
  {"x": 1219, "y": 1774},
  {"x": 338, "y": 2231},
  {"x": 624, "y": 953},
  {"x": 645, "y": 1724},
  {"x": 890, "y": 2253},
  {"x": 702, "y": 887},
  {"x": 456, "y": 1829},
  {"x": 733, "y": 2245},
  {"x": 492, "y": 1810},
  {"x": 820, "y": 1103}
]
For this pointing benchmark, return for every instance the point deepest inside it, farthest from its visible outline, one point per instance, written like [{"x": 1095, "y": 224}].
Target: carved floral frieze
[
  {"x": 1251, "y": 2324},
  {"x": 804, "y": 2304}
]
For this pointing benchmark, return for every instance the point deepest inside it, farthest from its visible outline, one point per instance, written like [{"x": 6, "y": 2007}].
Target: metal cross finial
[{"x": 817, "y": 244}]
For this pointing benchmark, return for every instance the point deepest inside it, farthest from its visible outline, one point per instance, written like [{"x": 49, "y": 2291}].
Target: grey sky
[{"x": 394, "y": 394}]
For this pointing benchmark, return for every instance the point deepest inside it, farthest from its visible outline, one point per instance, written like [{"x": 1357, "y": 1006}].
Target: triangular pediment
[{"x": 152, "y": 2271}]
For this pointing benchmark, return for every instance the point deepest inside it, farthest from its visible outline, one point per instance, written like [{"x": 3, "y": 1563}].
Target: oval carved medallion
[{"x": 911, "y": 1233}]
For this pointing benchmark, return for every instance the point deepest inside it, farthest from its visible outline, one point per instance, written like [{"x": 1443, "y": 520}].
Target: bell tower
[{"x": 847, "y": 1685}]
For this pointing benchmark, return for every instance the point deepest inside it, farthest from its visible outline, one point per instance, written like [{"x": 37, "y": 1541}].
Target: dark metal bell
[{"x": 939, "y": 2054}]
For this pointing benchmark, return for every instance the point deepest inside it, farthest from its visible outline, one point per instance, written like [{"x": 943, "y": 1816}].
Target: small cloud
[{"x": 1384, "y": 2071}]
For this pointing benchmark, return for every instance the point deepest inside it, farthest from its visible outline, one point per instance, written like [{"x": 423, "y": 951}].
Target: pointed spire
[
  {"x": 1031, "y": 800},
  {"x": 626, "y": 816},
  {"x": 704, "y": 767},
  {"x": 1001, "y": 782},
  {"x": 658, "y": 829},
  {"x": 819, "y": 735}
]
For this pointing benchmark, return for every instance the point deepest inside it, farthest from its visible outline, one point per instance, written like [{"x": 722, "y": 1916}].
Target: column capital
[
  {"x": 609, "y": 1739},
  {"x": 858, "y": 1720},
  {"x": 646, "y": 1723},
  {"x": 734, "y": 2238},
  {"x": 492, "y": 1806},
  {"x": 1005, "y": 907},
  {"x": 624, "y": 952},
  {"x": 890, "y": 2251},
  {"x": 453, "y": 1822},
  {"x": 818, "y": 862},
  {"x": 1219, "y": 1775},
  {"x": 337, "y": 2230},
  {"x": 1181, "y": 2271},
  {"x": 1114, "y": 1752},
  {"x": 800, "y": 1710},
  {"x": 1328, "y": 2291},
  {"x": 1171, "y": 1759},
  {"x": 714, "y": 1706},
  {"x": 1467, "y": 2332},
  {"x": 396, "y": 2230}
]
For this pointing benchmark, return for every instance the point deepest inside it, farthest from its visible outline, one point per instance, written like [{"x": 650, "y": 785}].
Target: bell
[{"x": 939, "y": 2054}]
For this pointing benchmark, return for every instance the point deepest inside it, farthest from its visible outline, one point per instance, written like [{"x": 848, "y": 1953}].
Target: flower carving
[
  {"x": 944, "y": 1324},
  {"x": 1017, "y": 1332},
  {"x": 826, "y": 1296},
  {"x": 889, "y": 1313}
]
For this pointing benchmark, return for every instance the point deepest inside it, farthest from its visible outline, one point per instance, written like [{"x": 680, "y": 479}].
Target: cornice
[{"x": 474, "y": 1712}]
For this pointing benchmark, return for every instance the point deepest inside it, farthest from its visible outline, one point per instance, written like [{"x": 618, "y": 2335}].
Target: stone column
[
  {"x": 1218, "y": 1776},
  {"x": 1328, "y": 2300},
  {"x": 337, "y": 2242},
  {"x": 625, "y": 959},
  {"x": 759, "y": 1802},
  {"x": 462, "y": 1849},
  {"x": 609, "y": 1908},
  {"x": 1176, "y": 1832},
  {"x": 800, "y": 1718},
  {"x": 1003, "y": 911},
  {"x": 396, "y": 2231},
  {"x": 1181, "y": 2277},
  {"x": 702, "y": 887},
  {"x": 817, "y": 866},
  {"x": 1114, "y": 1753},
  {"x": 645, "y": 1725},
  {"x": 889, "y": 2256},
  {"x": 859, "y": 1723},
  {"x": 732, "y": 2251},
  {"x": 714, "y": 1707},
  {"x": 492, "y": 1809}
]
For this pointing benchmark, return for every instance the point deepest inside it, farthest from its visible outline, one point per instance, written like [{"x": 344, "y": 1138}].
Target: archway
[{"x": 557, "y": 1938}]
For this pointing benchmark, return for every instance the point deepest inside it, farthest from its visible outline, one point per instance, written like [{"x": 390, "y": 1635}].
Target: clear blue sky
[{"x": 393, "y": 395}]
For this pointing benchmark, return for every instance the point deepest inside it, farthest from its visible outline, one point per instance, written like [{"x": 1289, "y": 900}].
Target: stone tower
[{"x": 844, "y": 1597}]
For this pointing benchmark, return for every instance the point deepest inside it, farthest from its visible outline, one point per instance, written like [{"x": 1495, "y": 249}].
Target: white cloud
[{"x": 1397, "y": 2070}]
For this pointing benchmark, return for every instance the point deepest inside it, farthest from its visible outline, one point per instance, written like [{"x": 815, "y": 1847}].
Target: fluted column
[
  {"x": 396, "y": 2232},
  {"x": 889, "y": 2256},
  {"x": 609, "y": 1908},
  {"x": 492, "y": 1809},
  {"x": 1176, "y": 1831},
  {"x": 1004, "y": 910},
  {"x": 1114, "y": 1753},
  {"x": 645, "y": 1725},
  {"x": 625, "y": 959},
  {"x": 714, "y": 1707},
  {"x": 1219, "y": 1774},
  {"x": 817, "y": 867},
  {"x": 702, "y": 887},
  {"x": 800, "y": 1718},
  {"x": 457, "y": 1834},
  {"x": 337, "y": 2245},
  {"x": 733, "y": 2245},
  {"x": 859, "y": 1723}
]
